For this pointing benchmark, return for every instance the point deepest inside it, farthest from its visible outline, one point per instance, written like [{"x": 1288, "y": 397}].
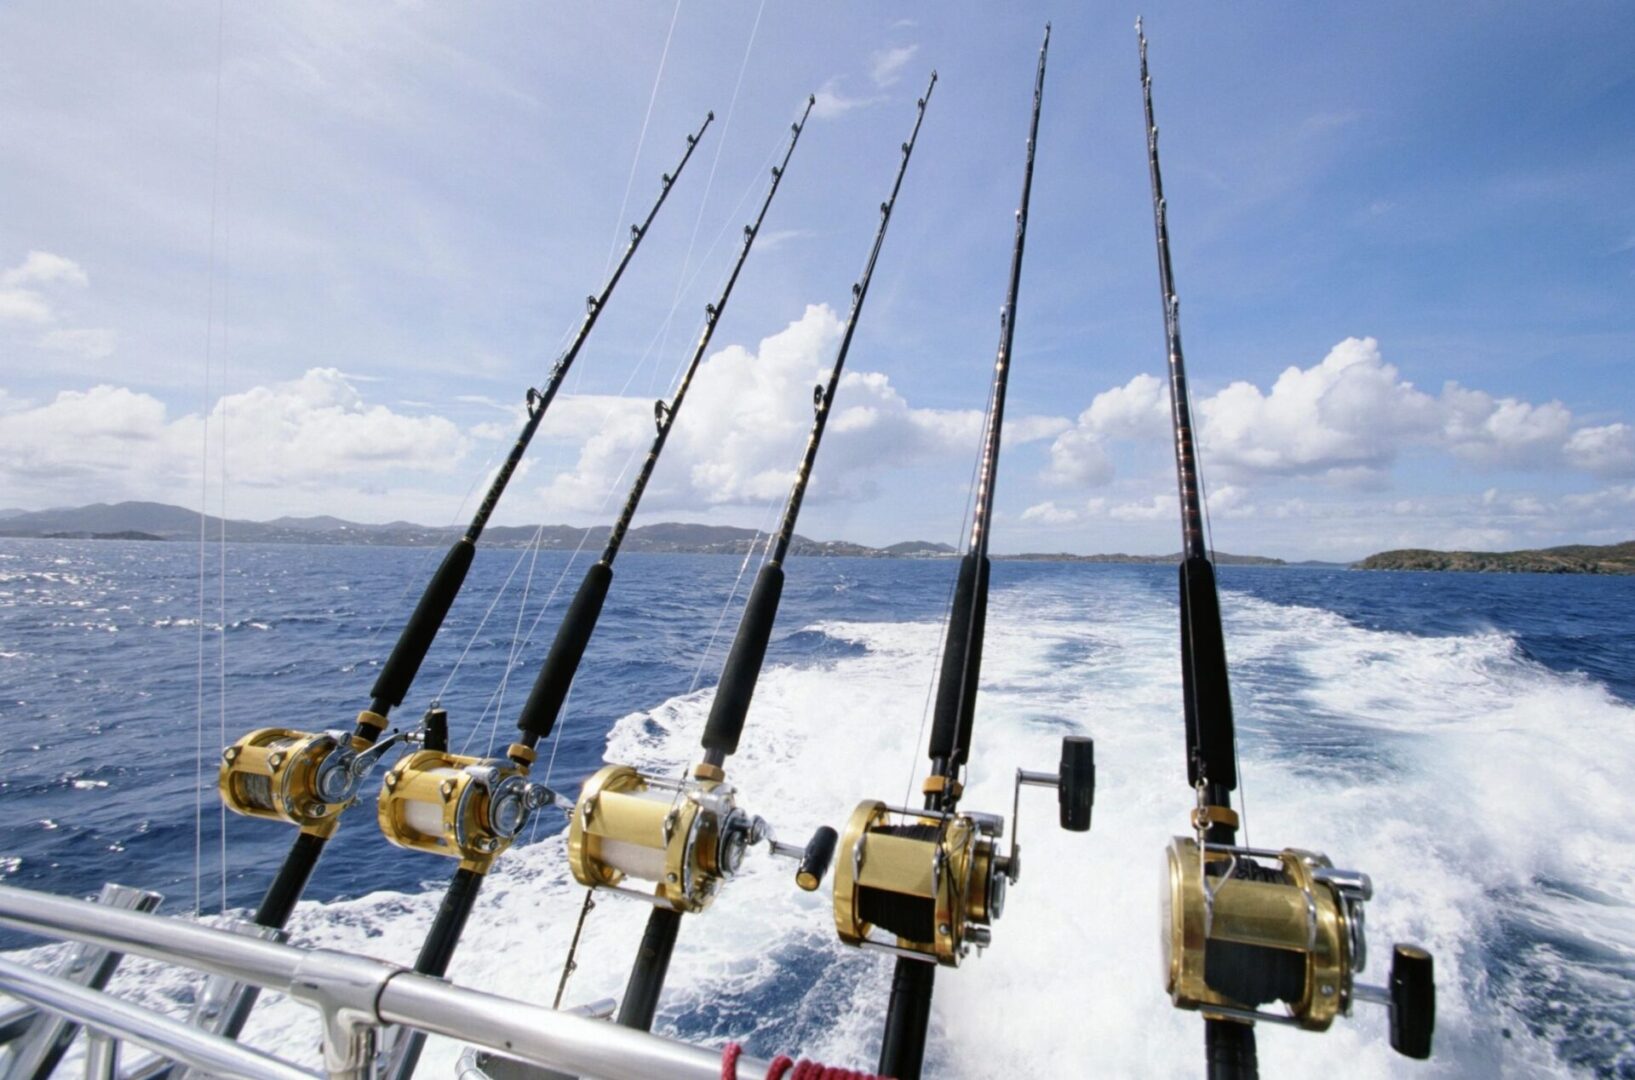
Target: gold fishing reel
[
  {"x": 467, "y": 808},
  {"x": 299, "y": 777},
  {"x": 928, "y": 885},
  {"x": 683, "y": 837},
  {"x": 1247, "y": 927}
]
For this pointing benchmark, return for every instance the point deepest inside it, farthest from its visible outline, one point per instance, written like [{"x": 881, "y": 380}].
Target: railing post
[{"x": 42, "y": 1046}]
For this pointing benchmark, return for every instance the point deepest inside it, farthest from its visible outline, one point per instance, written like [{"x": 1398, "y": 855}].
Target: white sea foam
[{"x": 1455, "y": 771}]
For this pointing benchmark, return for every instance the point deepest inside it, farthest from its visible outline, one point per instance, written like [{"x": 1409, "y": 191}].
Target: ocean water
[{"x": 1464, "y": 739}]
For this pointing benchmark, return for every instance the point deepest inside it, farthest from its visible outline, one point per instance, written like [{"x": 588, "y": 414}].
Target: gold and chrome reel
[
  {"x": 467, "y": 808},
  {"x": 928, "y": 885},
  {"x": 683, "y": 837},
  {"x": 299, "y": 777},
  {"x": 1246, "y": 927}
]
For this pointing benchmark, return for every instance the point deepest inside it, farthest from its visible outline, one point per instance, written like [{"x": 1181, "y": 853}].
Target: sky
[{"x": 306, "y": 258}]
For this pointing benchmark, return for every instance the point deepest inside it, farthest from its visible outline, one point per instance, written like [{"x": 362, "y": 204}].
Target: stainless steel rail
[
  {"x": 161, "y": 1034},
  {"x": 355, "y": 996}
]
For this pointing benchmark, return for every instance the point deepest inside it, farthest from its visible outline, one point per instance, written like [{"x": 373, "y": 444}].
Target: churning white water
[{"x": 1483, "y": 793}]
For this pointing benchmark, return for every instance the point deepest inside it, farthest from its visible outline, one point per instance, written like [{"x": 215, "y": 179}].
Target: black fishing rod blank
[
  {"x": 307, "y": 779},
  {"x": 1248, "y": 927},
  {"x": 555, "y": 679},
  {"x": 420, "y": 784},
  {"x": 674, "y": 843},
  {"x": 926, "y": 885}
]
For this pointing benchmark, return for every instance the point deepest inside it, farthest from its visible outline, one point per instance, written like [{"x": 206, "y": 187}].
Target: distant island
[
  {"x": 160, "y": 521},
  {"x": 1571, "y": 559}
]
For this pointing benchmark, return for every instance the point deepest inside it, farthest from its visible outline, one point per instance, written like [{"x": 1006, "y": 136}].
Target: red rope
[{"x": 784, "y": 1067}]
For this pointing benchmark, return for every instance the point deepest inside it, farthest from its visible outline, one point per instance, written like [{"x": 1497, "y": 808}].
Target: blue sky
[{"x": 1403, "y": 241}]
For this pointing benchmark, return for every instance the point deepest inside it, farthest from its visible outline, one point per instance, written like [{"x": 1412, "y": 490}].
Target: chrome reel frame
[
  {"x": 463, "y": 807},
  {"x": 1293, "y": 903},
  {"x": 685, "y": 838},
  {"x": 301, "y": 778}
]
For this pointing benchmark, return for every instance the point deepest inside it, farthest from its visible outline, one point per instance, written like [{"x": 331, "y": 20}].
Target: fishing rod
[
  {"x": 683, "y": 839},
  {"x": 1246, "y": 927},
  {"x": 925, "y": 885},
  {"x": 413, "y": 799},
  {"x": 307, "y": 779}
]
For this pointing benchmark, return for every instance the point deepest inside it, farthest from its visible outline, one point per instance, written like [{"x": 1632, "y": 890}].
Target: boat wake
[{"x": 1480, "y": 789}]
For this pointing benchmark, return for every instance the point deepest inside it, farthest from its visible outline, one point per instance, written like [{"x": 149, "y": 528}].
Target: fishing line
[
  {"x": 961, "y": 544},
  {"x": 709, "y": 185},
  {"x": 647, "y": 354},
  {"x": 204, "y": 476},
  {"x": 1209, "y": 532},
  {"x": 749, "y": 553},
  {"x": 618, "y": 224},
  {"x": 221, "y": 582}
]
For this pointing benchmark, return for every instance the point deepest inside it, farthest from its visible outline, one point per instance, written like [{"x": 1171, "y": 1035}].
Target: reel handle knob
[
  {"x": 1413, "y": 1001},
  {"x": 1076, "y": 790},
  {"x": 815, "y": 860}
]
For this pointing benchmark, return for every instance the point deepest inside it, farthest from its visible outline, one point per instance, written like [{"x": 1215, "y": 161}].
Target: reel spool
[
  {"x": 934, "y": 881},
  {"x": 1245, "y": 927},
  {"x": 685, "y": 837},
  {"x": 467, "y": 808},
  {"x": 298, "y": 777}
]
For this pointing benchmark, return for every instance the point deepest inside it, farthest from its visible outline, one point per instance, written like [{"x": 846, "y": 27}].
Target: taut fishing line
[
  {"x": 641, "y": 140},
  {"x": 204, "y": 477}
]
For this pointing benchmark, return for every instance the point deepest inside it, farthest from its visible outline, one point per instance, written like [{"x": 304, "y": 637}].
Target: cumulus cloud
[
  {"x": 1351, "y": 411},
  {"x": 745, "y": 419},
  {"x": 315, "y": 431},
  {"x": 1345, "y": 421},
  {"x": 1608, "y": 450},
  {"x": 1137, "y": 410}
]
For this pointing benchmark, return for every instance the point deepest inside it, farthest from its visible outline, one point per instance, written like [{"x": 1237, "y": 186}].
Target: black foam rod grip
[
  {"x": 732, "y": 697},
  {"x": 1076, "y": 789},
  {"x": 562, "y": 662},
  {"x": 1207, "y": 694},
  {"x": 1413, "y": 1001},
  {"x": 961, "y": 669},
  {"x": 393, "y": 682},
  {"x": 815, "y": 860}
]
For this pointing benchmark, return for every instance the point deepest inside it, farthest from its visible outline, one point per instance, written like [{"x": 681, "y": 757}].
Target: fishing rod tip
[{"x": 1138, "y": 24}]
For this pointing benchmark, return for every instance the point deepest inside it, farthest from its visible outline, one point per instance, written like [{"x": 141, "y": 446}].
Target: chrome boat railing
[{"x": 356, "y": 998}]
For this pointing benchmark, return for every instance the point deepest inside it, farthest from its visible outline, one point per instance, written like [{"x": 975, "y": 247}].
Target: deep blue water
[{"x": 1340, "y": 677}]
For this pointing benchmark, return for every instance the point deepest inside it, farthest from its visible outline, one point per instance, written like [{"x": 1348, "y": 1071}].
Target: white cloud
[
  {"x": 887, "y": 65},
  {"x": 43, "y": 268},
  {"x": 23, "y": 306},
  {"x": 1345, "y": 421},
  {"x": 1154, "y": 509},
  {"x": 745, "y": 420},
  {"x": 831, "y": 102},
  {"x": 1608, "y": 450},
  {"x": 1349, "y": 412},
  {"x": 1048, "y": 513},
  {"x": 1079, "y": 457},
  {"x": 1229, "y": 501},
  {"x": 316, "y": 432},
  {"x": 90, "y": 344}
]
